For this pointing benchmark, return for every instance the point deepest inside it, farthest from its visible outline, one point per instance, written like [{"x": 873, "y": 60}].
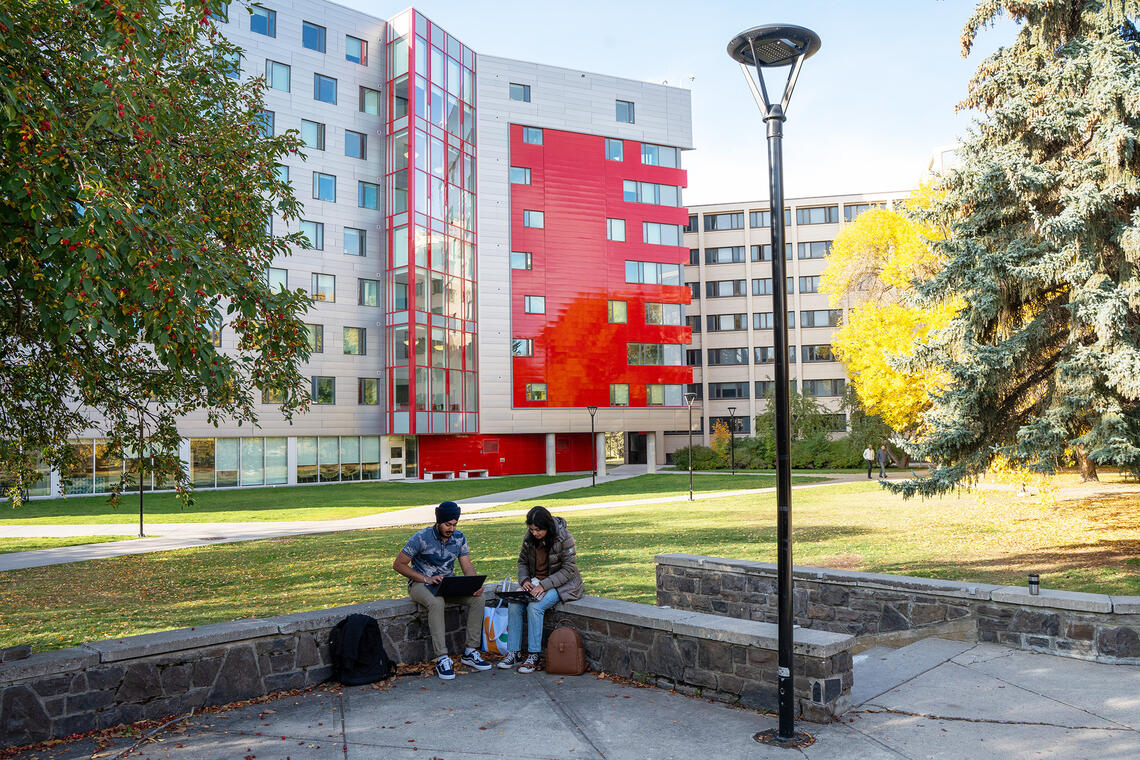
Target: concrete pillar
[
  {"x": 600, "y": 453},
  {"x": 54, "y": 480},
  {"x": 651, "y": 451},
  {"x": 291, "y": 459},
  {"x": 551, "y": 463}
]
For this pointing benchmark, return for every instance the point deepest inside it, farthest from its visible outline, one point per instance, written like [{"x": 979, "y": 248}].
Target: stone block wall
[{"x": 869, "y": 605}]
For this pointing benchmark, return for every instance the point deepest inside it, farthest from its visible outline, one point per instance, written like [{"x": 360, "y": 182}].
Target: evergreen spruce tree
[{"x": 1043, "y": 214}]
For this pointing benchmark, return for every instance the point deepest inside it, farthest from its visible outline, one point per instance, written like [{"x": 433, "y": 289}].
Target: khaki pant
[{"x": 435, "y": 606}]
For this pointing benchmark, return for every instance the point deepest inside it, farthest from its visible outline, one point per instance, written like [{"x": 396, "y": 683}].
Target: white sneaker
[
  {"x": 530, "y": 664},
  {"x": 509, "y": 661},
  {"x": 443, "y": 668}
]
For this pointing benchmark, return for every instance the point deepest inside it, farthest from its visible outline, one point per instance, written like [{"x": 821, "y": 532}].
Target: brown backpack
[{"x": 564, "y": 653}]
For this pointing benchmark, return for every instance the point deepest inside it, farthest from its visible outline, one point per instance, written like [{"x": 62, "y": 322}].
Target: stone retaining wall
[{"x": 871, "y": 605}]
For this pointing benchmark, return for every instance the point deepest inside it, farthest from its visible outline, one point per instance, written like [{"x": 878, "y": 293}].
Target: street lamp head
[
  {"x": 773, "y": 45},
  {"x": 690, "y": 398},
  {"x": 732, "y": 411},
  {"x": 592, "y": 410}
]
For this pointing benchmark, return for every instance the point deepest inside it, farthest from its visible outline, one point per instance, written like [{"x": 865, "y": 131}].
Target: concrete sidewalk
[{"x": 973, "y": 701}]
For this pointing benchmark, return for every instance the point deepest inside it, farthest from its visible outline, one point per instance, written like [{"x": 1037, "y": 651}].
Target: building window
[
  {"x": 660, "y": 155},
  {"x": 283, "y": 173},
  {"x": 368, "y": 195},
  {"x": 216, "y": 338},
  {"x": 852, "y": 210},
  {"x": 313, "y": 134},
  {"x": 532, "y": 135},
  {"x": 314, "y": 233},
  {"x": 534, "y": 219},
  {"x": 823, "y": 387},
  {"x": 725, "y": 356},
  {"x": 654, "y": 233},
  {"x": 536, "y": 391},
  {"x": 522, "y": 347},
  {"x": 268, "y": 119},
  {"x": 729, "y": 221},
  {"x": 764, "y": 218},
  {"x": 369, "y": 292},
  {"x": 762, "y": 286},
  {"x": 355, "y": 342},
  {"x": 653, "y": 354},
  {"x": 614, "y": 149},
  {"x": 619, "y": 394},
  {"x": 316, "y": 336},
  {"x": 615, "y": 230},
  {"x": 726, "y": 322},
  {"x": 520, "y": 260},
  {"x": 617, "y": 312},
  {"x": 272, "y": 396},
  {"x": 520, "y": 92},
  {"x": 652, "y": 273},
  {"x": 355, "y": 242},
  {"x": 534, "y": 304},
  {"x": 324, "y": 89},
  {"x": 728, "y": 390},
  {"x": 651, "y": 192},
  {"x": 370, "y": 101},
  {"x": 520, "y": 175},
  {"x": 819, "y": 353},
  {"x": 724, "y": 288},
  {"x": 277, "y": 75},
  {"x": 816, "y": 250},
  {"x": 312, "y": 36},
  {"x": 764, "y": 252},
  {"x": 262, "y": 21},
  {"x": 663, "y": 314},
  {"x": 624, "y": 111},
  {"x": 324, "y": 187},
  {"x": 817, "y": 215},
  {"x": 277, "y": 279},
  {"x": 725, "y": 255},
  {"x": 663, "y": 395},
  {"x": 355, "y": 50},
  {"x": 324, "y": 390},
  {"x": 323, "y": 287},
  {"x": 355, "y": 144},
  {"x": 766, "y": 388},
  {"x": 693, "y": 322},
  {"x": 368, "y": 391},
  {"x": 765, "y": 320},
  {"x": 694, "y": 290},
  {"x": 767, "y": 354}
]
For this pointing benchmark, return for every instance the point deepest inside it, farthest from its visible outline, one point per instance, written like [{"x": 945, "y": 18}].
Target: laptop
[
  {"x": 516, "y": 596},
  {"x": 458, "y": 585}
]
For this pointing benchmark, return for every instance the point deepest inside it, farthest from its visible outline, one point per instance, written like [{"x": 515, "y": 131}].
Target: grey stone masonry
[
  {"x": 732, "y": 661},
  {"x": 1068, "y": 623}
]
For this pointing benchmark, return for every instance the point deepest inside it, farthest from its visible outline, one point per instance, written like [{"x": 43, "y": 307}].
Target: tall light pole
[
  {"x": 762, "y": 47},
  {"x": 732, "y": 437},
  {"x": 689, "y": 399},
  {"x": 593, "y": 446}
]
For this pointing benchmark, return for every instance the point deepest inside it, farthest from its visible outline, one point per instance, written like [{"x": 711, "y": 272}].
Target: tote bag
[{"x": 495, "y": 624}]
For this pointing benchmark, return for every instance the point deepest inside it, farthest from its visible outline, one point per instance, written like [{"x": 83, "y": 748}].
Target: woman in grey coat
[{"x": 548, "y": 569}]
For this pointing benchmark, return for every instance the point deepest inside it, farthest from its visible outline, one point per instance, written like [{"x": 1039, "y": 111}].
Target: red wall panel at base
[{"x": 523, "y": 454}]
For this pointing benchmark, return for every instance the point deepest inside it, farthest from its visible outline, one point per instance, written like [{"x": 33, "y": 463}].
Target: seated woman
[{"x": 548, "y": 569}]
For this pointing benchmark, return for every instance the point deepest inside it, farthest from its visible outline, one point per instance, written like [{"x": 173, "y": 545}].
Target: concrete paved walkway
[
  {"x": 169, "y": 536},
  {"x": 970, "y": 701}
]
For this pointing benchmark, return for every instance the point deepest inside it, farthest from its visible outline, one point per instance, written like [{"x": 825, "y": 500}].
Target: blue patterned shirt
[{"x": 430, "y": 556}]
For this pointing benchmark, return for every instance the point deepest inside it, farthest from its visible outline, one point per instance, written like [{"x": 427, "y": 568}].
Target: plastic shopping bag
[{"x": 495, "y": 625}]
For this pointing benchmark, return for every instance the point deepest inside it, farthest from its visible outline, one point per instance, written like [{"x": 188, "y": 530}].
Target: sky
[{"x": 867, "y": 113}]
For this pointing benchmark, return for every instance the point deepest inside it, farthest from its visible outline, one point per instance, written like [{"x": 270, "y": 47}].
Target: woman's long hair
[{"x": 541, "y": 518}]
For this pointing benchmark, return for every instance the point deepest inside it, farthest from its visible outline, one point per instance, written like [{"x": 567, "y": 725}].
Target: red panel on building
[
  {"x": 521, "y": 454},
  {"x": 577, "y": 271}
]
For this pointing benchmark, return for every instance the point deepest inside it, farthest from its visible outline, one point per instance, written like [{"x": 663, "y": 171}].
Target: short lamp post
[
  {"x": 593, "y": 447},
  {"x": 732, "y": 438},
  {"x": 689, "y": 399},
  {"x": 762, "y": 47}
]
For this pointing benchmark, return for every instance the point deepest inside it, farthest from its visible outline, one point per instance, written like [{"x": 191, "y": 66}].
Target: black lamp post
[
  {"x": 732, "y": 437},
  {"x": 593, "y": 446},
  {"x": 689, "y": 399},
  {"x": 763, "y": 47}
]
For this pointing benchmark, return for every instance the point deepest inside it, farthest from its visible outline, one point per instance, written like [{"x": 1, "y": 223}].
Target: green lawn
[
  {"x": 324, "y": 502},
  {"x": 1092, "y": 544},
  {"x": 10, "y": 545}
]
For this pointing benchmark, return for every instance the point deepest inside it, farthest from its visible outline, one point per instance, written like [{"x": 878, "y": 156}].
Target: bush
[{"x": 704, "y": 458}]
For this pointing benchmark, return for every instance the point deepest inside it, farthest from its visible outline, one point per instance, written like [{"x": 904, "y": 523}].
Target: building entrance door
[
  {"x": 636, "y": 448},
  {"x": 615, "y": 448},
  {"x": 395, "y": 458}
]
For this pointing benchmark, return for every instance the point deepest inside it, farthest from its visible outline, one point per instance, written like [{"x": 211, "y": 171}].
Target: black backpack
[{"x": 358, "y": 655}]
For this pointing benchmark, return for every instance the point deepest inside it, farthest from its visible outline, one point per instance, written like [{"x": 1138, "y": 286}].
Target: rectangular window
[
  {"x": 650, "y": 192},
  {"x": 823, "y": 387},
  {"x": 653, "y": 354},
  {"x": 355, "y": 50},
  {"x": 767, "y": 354},
  {"x": 323, "y": 287},
  {"x": 660, "y": 155},
  {"x": 534, "y": 304},
  {"x": 809, "y": 284},
  {"x": 324, "y": 390},
  {"x": 324, "y": 187},
  {"x": 262, "y": 21},
  {"x": 817, "y": 215},
  {"x": 816, "y": 250},
  {"x": 534, "y": 219},
  {"x": 520, "y": 175},
  {"x": 277, "y": 279},
  {"x": 664, "y": 314},
  {"x": 694, "y": 290},
  {"x": 728, "y": 390},
  {"x": 762, "y": 286},
  {"x": 765, "y": 320},
  {"x": 818, "y": 353},
  {"x": 615, "y": 230},
  {"x": 272, "y": 396},
  {"x": 233, "y": 65},
  {"x": 313, "y": 134},
  {"x": 316, "y": 336},
  {"x": 355, "y": 342},
  {"x": 283, "y": 173},
  {"x": 764, "y": 252},
  {"x": 614, "y": 149},
  {"x": 619, "y": 394},
  {"x": 521, "y": 260},
  {"x": 652, "y": 273},
  {"x": 368, "y": 195},
  {"x": 664, "y": 395},
  {"x": 314, "y": 233},
  {"x": 724, "y": 288},
  {"x": 324, "y": 89},
  {"x": 368, "y": 391},
  {"x": 268, "y": 119},
  {"x": 725, "y": 356},
  {"x": 764, "y": 218},
  {"x": 216, "y": 338},
  {"x": 355, "y": 144},
  {"x": 728, "y": 221},
  {"x": 726, "y": 322},
  {"x": 369, "y": 292},
  {"x": 536, "y": 391},
  {"x": 370, "y": 101},
  {"x": 726, "y": 255},
  {"x": 520, "y": 92},
  {"x": 624, "y": 111},
  {"x": 691, "y": 225},
  {"x": 661, "y": 234},
  {"x": 852, "y": 210},
  {"x": 693, "y": 323},
  {"x": 693, "y": 359},
  {"x": 532, "y": 135},
  {"x": 277, "y": 75},
  {"x": 766, "y": 388},
  {"x": 355, "y": 242},
  {"x": 617, "y": 312},
  {"x": 312, "y": 36},
  {"x": 522, "y": 347}
]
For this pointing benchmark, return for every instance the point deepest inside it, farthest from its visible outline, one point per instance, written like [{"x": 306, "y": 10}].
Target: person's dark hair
[{"x": 541, "y": 518}]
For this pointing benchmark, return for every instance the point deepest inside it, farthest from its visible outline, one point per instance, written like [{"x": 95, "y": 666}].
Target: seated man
[{"x": 425, "y": 560}]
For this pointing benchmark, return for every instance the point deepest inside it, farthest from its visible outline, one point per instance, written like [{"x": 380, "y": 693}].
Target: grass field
[
  {"x": 10, "y": 545},
  {"x": 1091, "y": 544},
  {"x": 325, "y": 502}
]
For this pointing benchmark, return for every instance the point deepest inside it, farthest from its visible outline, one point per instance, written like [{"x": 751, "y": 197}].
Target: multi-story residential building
[
  {"x": 494, "y": 247},
  {"x": 730, "y": 312}
]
